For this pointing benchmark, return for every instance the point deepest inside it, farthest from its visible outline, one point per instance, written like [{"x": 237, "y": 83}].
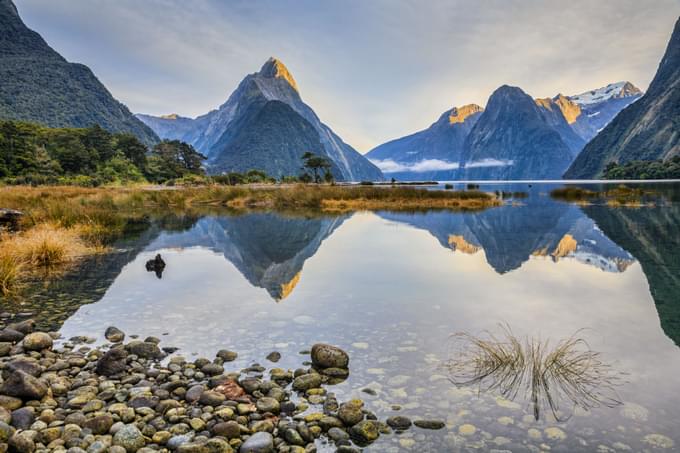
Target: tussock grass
[
  {"x": 10, "y": 274},
  {"x": 618, "y": 196},
  {"x": 548, "y": 377}
]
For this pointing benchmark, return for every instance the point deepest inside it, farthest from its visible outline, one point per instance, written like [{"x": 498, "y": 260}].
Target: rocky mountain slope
[
  {"x": 220, "y": 132},
  {"x": 648, "y": 129},
  {"x": 39, "y": 85}
]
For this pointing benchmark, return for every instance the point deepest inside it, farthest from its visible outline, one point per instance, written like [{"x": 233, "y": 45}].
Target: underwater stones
[
  {"x": 467, "y": 429},
  {"x": 554, "y": 433},
  {"x": 114, "y": 334},
  {"x": 634, "y": 412},
  {"x": 658, "y": 441},
  {"x": 327, "y": 356},
  {"x": 399, "y": 423},
  {"x": 274, "y": 356},
  {"x": 429, "y": 424},
  {"x": 226, "y": 355}
]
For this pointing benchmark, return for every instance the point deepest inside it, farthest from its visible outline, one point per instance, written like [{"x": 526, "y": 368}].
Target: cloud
[
  {"x": 430, "y": 165},
  {"x": 373, "y": 71}
]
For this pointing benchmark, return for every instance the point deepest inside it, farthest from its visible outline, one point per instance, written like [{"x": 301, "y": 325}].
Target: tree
[
  {"x": 99, "y": 142},
  {"x": 174, "y": 159},
  {"x": 131, "y": 148},
  {"x": 316, "y": 164},
  {"x": 17, "y": 151}
]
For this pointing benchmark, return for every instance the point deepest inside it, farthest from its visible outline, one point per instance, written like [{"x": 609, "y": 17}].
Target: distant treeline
[{"x": 638, "y": 169}]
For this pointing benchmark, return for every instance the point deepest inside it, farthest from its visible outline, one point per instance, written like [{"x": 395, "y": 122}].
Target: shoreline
[{"x": 126, "y": 397}]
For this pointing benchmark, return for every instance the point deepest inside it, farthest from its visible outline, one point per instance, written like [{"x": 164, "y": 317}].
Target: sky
[{"x": 373, "y": 70}]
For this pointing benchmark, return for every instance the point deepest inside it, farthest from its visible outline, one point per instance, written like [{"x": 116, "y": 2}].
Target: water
[{"x": 391, "y": 289}]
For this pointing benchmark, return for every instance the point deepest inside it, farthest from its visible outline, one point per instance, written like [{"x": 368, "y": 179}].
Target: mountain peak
[
  {"x": 171, "y": 116},
  {"x": 275, "y": 69},
  {"x": 460, "y": 114},
  {"x": 623, "y": 89}
]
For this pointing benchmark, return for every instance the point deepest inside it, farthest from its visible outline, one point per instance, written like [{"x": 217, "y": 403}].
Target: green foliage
[
  {"x": 317, "y": 166},
  {"x": 657, "y": 169},
  {"x": 172, "y": 159}
]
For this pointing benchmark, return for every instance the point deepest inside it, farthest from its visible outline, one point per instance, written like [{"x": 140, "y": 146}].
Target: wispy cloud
[{"x": 429, "y": 165}]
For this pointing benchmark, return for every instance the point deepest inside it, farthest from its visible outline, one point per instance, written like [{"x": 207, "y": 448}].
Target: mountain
[
  {"x": 39, "y": 85},
  {"x": 238, "y": 135},
  {"x": 591, "y": 111},
  {"x": 648, "y": 129},
  {"x": 514, "y": 139},
  {"x": 557, "y": 112},
  {"x": 442, "y": 141}
]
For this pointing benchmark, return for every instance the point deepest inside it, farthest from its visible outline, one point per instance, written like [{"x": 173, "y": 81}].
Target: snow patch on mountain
[{"x": 613, "y": 90}]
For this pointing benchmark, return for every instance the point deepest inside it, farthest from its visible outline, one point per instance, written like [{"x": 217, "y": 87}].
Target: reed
[{"x": 546, "y": 376}]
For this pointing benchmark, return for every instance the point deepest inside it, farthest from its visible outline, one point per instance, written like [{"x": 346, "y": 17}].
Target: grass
[
  {"x": 62, "y": 224},
  {"x": 617, "y": 196},
  {"x": 547, "y": 376}
]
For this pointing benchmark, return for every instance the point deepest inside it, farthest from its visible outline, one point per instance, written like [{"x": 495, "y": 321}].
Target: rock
[
  {"x": 6, "y": 432},
  {"x": 21, "y": 443},
  {"x": 28, "y": 366},
  {"x": 293, "y": 437},
  {"x": 156, "y": 265},
  {"x": 429, "y": 424},
  {"x": 175, "y": 441},
  {"x": 229, "y": 430},
  {"x": 114, "y": 334},
  {"x": 350, "y": 412},
  {"x": 307, "y": 381},
  {"x": 11, "y": 335},
  {"x": 194, "y": 393},
  {"x": 24, "y": 327},
  {"x": 267, "y": 404},
  {"x": 129, "y": 437},
  {"x": 261, "y": 442},
  {"x": 399, "y": 423},
  {"x": 338, "y": 435},
  {"x": 23, "y": 385},
  {"x": 230, "y": 389},
  {"x": 211, "y": 398},
  {"x": 274, "y": 356},
  {"x": 143, "y": 349},
  {"x": 226, "y": 355},
  {"x": 37, "y": 341},
  {"x": 100, "y": 424},
  {"x": 212, "y": 369},
  {"x": 5, "y": 348},
  {"x": 327, "y": 356},
  {"x": 112, "y": 363},
  {"x": 23, "y": 418},
  {"x": 217, "y": 446},
  {"x": 364, "y": 432},
  {"x": 9, "y": 218},
  {"x": 5, "y": 415}
]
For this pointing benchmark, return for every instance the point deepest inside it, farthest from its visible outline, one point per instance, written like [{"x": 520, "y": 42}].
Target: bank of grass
[
  {"x": 62, "y": 224},
  {"x": 617, "y": 196}
]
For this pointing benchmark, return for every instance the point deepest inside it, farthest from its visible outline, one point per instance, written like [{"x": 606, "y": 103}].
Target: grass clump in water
[{"x": 547, "y": 376}]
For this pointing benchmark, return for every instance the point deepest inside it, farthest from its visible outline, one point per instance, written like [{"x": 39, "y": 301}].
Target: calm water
[{"x": 391, "y": 289}]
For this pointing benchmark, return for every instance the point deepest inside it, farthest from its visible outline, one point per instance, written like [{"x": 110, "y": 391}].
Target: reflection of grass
[{"x": 548, "y": 376}]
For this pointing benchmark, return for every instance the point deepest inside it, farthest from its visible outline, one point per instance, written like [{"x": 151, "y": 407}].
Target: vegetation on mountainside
[
  {"x": 638, "y": 169},
  {"x": 34, "y": 154}
]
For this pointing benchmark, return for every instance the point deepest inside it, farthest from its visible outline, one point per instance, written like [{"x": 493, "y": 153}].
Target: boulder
[
  {"x": 114, "y": 334},
  {"x": 327, "y": 356},
  {"x": 112, "y": 363},
  {"x": 143, "y": 349},
  {"x": 261, "y": 442},
  {"x": 10, "y": 335},
  {"x": 130, "y": 438},
  {"x": 37, "y": 341},
  {"x": 23, "y": 385}
]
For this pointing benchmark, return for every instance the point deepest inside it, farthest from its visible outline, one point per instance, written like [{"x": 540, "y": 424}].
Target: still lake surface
[{"x": 392, "y": 288}]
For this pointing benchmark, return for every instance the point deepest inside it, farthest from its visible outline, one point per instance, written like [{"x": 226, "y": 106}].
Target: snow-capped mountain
[{"x": 616, "y": 90}]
